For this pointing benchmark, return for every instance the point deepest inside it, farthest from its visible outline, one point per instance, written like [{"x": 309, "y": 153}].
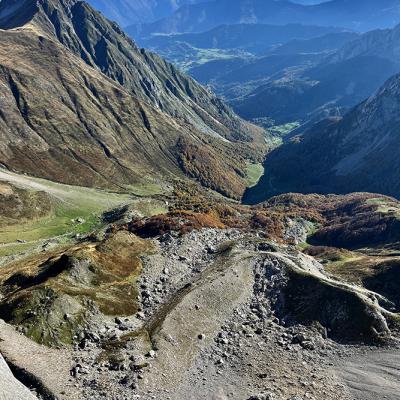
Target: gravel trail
[{"x": 373, "y": 376}]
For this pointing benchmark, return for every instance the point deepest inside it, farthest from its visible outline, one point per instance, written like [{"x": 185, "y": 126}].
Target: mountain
[
  {"x": 235, "y": 77},
  {"x": 323, "y": 87},
  {"x": 82, "y": 104},
  {"x": 383, "y": 43},
  {"x": 309, "y": 2},
  {"x": 322, "y": 43},
  {"x": 127, "y": 12},
  {"x": 253, "y": 38},
  {"x": 218, "y": 50},
  {"x": 362, "y": 15},
  {"x": 341, "y": 79},
  {"x": 355, "y": 153}
]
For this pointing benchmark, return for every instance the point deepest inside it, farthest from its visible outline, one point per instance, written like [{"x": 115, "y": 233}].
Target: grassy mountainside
[
  {"x": 36, "y": 214},
  {"x": 83, "y": 105}
]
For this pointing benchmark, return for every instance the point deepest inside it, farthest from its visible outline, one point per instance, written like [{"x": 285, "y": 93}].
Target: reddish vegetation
[
  {"x": 182, "y": 222},
  {"x": 343, "y": 221},
  {"x": 203, "y": 162}
]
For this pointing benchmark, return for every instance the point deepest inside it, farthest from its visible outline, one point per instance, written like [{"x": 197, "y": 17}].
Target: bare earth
[
  {"x": 374, "y": 376},
  {"x": 51, "y": 368}
]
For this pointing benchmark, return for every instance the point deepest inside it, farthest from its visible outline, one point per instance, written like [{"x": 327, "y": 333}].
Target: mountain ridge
[
  {"x": 361, "y": 15},
  {"x": 337, "y": 81},
  {"x": 342, "y": 155},
  {"x": 147, "y": 101}
]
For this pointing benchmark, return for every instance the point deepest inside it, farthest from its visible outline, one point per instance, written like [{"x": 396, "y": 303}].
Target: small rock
[
  {"x": 151, "y": 354},
  {"x": 299, "y": 338},
  {"x": 75, "y": 370}
]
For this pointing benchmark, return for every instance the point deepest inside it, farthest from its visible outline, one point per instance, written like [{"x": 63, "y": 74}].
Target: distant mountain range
[
  {"x": 355, "y": 153},
  {"x": 310, "y": 2},
  {"x": 82, "y": 104},
  {"x": 306, "y": 85},
  {"x": 127, "y": 12},
  {"x": 253, "y": 38},
  {"x": 362, "y": 15}
]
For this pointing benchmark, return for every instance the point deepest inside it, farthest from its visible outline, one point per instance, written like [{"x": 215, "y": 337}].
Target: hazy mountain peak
[{"x": 360, "y": 15}]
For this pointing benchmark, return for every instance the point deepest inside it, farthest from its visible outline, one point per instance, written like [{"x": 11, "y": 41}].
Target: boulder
[{"x": 10, "y": 387}]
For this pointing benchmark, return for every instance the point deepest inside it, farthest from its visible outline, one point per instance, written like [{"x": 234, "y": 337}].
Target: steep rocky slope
[
  {"x": 382, "y": 43},
  {"x": 72, "y": 123},
  {"x": 102, "y": 44},
  {"x": 355, "y": 153},
  {"x": 214, "y": 298}
]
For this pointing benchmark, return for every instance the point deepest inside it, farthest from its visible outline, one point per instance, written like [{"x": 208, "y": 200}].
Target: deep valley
[{"x": 199, "y": 200}]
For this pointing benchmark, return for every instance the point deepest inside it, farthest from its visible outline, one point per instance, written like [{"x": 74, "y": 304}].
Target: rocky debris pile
[
  {"x": 179, "y": 261},
  {"x": 183, "y": 339}
]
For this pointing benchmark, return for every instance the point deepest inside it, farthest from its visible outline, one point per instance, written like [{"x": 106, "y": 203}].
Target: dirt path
[
  {"x": 199, "y": 310},
  {"x": 375, "y": 376},
  {"x": 65, "y": 193}
]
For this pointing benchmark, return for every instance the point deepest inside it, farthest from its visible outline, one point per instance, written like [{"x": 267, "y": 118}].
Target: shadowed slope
[{"x": 356, "y": 153}]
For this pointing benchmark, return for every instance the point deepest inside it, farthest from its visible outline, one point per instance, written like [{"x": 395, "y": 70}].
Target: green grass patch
[
  {"x": 186, "y": 56},
  {"x": 385, "y": 206},
  {"x": 74, "y": 210},
  {"x": 147, "y": 189},
  {"x": 283, "y": 130},
  {"x": 303, "y": 246},
  {"x": 254, "y": 173}
]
